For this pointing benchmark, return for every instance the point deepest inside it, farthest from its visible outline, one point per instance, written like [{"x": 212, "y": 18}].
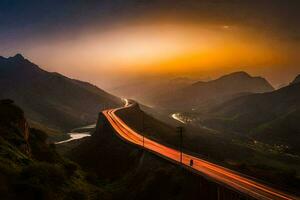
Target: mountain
[
  {"x": 51, "y": 99},
  {"x": 296, "y": 80},
  {"x": 200, "y": 94},
  {"x": 272, "y": 117}
]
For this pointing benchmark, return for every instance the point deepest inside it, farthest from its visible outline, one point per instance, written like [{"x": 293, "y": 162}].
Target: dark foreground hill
[
  {"x": 51, "y": 99},
  {"x": 271, "y": 117},
  {"x": 31, "y": 169},
  {"x": 203, "y": 94}
]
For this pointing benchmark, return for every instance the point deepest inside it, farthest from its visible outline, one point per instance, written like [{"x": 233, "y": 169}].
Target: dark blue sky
[{"x": 29, "y": 18}]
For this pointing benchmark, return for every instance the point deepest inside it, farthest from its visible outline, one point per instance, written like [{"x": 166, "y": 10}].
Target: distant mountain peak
[
  {"x": 244, "y": 76},
  {"x": 237, "y": 76},
  {"x": 296, "y": 80},
  {"x": 18, "y": 56},
  {"x": 240, "y": 74},
  {"x": 18, "y": 62}
]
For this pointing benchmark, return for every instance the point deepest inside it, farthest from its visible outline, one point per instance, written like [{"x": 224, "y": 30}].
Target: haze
[{"x": 166, "y": 40}]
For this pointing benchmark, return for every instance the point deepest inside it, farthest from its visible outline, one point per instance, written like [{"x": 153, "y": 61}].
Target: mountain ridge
[
  {"x": 201, "y": 93},
  {"x": 50, "y": 98},
  {"x": 296, "y": 80},
  {"x": 259, "y": 116}
]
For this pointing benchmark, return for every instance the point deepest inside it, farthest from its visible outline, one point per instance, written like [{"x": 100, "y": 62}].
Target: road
[{"x": 215, "y": 172}]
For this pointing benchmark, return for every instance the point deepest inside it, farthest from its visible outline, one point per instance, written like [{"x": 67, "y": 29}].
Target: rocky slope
[{"x": 31, "y": 169}]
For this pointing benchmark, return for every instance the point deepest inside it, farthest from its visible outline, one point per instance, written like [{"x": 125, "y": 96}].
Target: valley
[
  {"x": 149, "y": 100},
  {"x": 217, "y": 134}
]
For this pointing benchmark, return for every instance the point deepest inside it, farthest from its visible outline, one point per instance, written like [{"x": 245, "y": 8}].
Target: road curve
[{"x": 219, "y": 174}]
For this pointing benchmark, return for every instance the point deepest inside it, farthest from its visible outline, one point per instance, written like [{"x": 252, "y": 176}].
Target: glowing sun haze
[
  {"x": 162, "y": 48},
  {"x": 108, "y": 41}
]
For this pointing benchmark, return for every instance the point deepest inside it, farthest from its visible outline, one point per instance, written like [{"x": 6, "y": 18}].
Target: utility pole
[
  {"x": 143, "y": 134},
  {"x": 180, "y": 130},
  {"x": 143, "y": 141}
]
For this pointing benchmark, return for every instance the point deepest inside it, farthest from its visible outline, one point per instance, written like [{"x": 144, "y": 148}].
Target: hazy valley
[{"x": 149, "y": 100}]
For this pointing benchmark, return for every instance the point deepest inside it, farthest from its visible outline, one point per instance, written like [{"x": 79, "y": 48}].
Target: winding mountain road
[{"x": 217, "y": 173}]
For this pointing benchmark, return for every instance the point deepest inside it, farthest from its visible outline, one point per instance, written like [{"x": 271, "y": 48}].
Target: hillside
[
  {"x": 203, "y": 94},
  {"x": 31, "y": 169},
  {"x": 50, "y": 99},
  {"x": 132, "y": 173},
  {"x": 272, "y": 117}
]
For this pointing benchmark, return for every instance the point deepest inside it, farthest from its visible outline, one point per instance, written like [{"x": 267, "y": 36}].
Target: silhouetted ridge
[
  {"x": 272, "y": 117},
  {"x": 51, "y": 99},
  {"x": 18, "y": 57},
  {"x": 235, "y": 75},
  {"x": 201, "y": 94},
  {"x": 297, "y": 80}
]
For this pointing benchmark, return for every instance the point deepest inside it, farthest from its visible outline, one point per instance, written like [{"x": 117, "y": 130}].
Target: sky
[{"x": 110, "y": 42}]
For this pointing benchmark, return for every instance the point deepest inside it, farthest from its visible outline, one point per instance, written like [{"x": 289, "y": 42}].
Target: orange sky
[
  {"x": 110, "y": 42},
  {"x": 169, "y": 48}
]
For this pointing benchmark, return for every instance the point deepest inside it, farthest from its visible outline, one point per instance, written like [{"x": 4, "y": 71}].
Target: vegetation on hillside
[
  {"x": 130, "y": 173},
  {"x": 32, "y": 169},
  {"x": 265, "y": 162}
]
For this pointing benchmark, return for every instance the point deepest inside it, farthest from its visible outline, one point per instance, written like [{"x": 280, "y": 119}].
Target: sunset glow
[
  {"x": 163, "y": 44},
  {"x": 140, "y": 99},
  {"x": 162, "y": 49}
]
